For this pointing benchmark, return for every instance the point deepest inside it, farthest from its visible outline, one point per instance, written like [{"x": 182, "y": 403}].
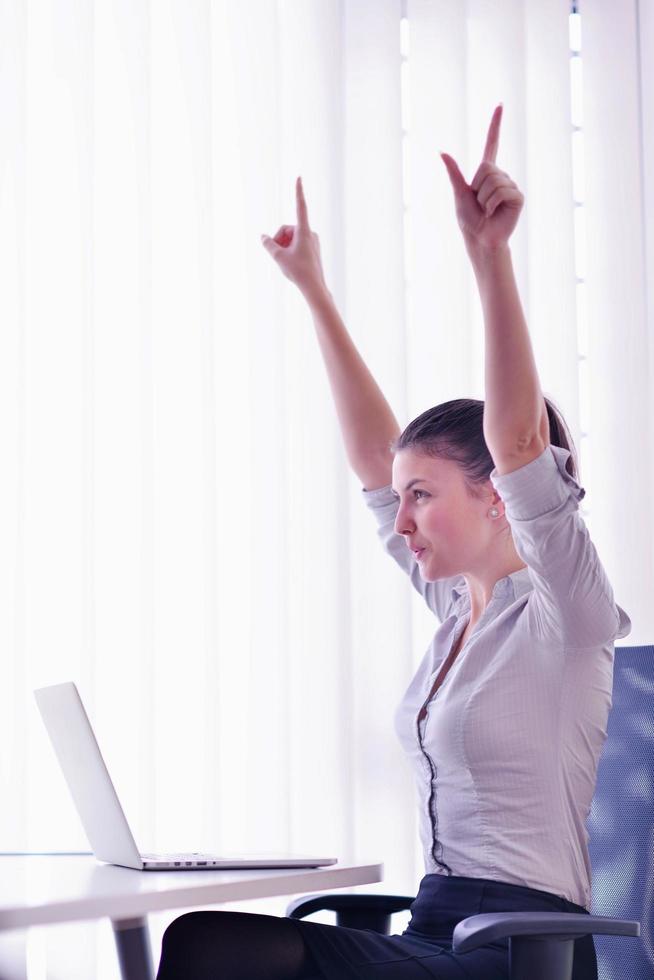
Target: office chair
[{"x": 621, "y": 828}]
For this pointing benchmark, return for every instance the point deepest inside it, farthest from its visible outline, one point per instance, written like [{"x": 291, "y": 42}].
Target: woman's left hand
[{"x": 487, "y": 209}]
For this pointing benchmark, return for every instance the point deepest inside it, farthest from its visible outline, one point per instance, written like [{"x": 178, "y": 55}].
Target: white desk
[{"x": 38, "y": 890}]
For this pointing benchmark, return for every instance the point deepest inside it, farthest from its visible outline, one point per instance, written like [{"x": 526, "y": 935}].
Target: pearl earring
[{"x": 494, "y": 512}]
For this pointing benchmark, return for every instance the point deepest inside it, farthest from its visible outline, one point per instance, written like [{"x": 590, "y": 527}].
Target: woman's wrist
[
  {"x": 317, "y": 295},
  {"x": 487, "y": 259}
]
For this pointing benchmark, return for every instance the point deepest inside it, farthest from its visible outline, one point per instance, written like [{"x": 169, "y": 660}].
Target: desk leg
[
  {"x": 133, "y": 945},
  {"x": 13, "y": 954}
]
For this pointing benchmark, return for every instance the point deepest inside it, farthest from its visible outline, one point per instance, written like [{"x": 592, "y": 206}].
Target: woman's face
[{"x": 438, "y": 515}]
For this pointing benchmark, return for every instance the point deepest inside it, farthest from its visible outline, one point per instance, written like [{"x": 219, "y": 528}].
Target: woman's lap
[{"x": 362, "y": 954}]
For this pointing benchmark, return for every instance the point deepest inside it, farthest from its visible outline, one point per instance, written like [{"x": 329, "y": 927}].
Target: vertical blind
[{"x": 181, "y": 534}]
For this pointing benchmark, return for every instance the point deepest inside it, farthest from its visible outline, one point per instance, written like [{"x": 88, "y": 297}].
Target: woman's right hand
[{"x": 296, "y": 250}]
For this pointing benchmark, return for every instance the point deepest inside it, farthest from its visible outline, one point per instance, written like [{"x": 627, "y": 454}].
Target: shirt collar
[{"x": 514, "y": 585}]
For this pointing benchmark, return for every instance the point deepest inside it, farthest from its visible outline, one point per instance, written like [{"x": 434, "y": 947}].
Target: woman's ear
[{"x": 490, "y": 494}]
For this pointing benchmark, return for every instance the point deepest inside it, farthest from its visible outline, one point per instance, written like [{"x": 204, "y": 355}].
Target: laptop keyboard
[{"x": 186, "y": 855}]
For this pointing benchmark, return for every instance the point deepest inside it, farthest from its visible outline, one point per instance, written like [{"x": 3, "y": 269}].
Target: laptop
[{"x": 98, "y": 805}]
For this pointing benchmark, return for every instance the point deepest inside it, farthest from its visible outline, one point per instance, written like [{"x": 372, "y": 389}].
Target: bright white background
[{"x": 180, "y": 532}]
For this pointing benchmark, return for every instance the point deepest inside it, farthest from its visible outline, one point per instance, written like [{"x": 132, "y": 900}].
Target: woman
[{"x": 506, "y": 716}]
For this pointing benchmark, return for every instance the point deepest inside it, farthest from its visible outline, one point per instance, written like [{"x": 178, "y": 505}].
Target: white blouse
[{"x": 506, "y": 757}]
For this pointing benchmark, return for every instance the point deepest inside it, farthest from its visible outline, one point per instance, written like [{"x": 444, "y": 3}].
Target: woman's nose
[{"x": 403, "y": 524}]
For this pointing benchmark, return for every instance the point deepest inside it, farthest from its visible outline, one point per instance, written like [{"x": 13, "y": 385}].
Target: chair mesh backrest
[{"x": 621, "y": 820}]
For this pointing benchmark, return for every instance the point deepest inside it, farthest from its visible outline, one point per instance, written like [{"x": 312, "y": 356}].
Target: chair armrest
[
  {"x": 352, "y": 911},
  {"x": 307, "y": 904},
  {"x": 477, "y": 930}
]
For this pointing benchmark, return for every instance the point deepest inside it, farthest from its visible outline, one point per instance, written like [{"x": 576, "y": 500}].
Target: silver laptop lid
[{"x": 86, "y": 774}]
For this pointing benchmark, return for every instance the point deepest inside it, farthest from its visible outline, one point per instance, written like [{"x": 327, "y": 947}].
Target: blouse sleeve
[
  {"x": 440, "y": 595},
  {"x": 572, "y": 596}
]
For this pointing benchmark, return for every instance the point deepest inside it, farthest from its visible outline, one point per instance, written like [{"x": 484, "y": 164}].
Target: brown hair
[{"x": 454, "y": 430}]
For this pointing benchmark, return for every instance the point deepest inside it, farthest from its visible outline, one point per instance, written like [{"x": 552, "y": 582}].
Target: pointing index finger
[
  {"x": 302, "y": 214},
  {"x": 493, "y": 138}
]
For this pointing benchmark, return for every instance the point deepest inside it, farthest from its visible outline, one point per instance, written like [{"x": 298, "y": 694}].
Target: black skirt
[{"x": 424, "y": 949}]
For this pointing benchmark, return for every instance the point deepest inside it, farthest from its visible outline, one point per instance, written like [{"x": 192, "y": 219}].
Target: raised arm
[
  {"x": 515, "y": 414},
  {"x": 367, "y": 422}
]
